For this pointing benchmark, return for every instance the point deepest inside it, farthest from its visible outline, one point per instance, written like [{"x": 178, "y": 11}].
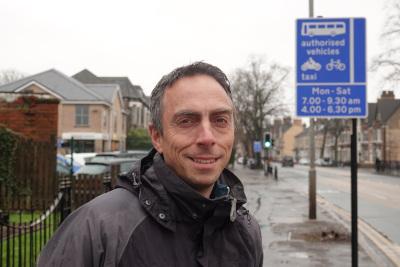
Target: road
[{"x": 378, "y": 195}]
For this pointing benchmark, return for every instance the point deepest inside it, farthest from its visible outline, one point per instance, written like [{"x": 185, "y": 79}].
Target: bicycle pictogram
[{"x": 335, "y": 65}]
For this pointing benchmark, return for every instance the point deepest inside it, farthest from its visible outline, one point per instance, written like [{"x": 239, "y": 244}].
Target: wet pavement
[{"x": 289, "y": 237}]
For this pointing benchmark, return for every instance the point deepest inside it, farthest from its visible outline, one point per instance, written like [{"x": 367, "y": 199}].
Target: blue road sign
[
  {"x": 331, "y": 68},
  {"x": 257, "y": 146}
]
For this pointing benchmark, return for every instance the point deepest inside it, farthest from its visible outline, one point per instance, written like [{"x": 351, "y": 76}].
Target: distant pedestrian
[
  {"x": 178, "y": 206},
  {"x": 377, "y": 164}
]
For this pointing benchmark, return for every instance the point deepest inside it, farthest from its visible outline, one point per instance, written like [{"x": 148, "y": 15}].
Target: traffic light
[{"x": 267, "y": 140}]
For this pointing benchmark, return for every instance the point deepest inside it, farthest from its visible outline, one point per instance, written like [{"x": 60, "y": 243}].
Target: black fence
[
  {"x": 388, "y": 167},
  {"x": 24, "y": 231}
]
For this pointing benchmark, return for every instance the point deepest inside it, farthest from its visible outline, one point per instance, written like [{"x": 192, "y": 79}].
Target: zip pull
[
  {"x": 233, "y": 210},
  {"x": 135, "y": 180}
]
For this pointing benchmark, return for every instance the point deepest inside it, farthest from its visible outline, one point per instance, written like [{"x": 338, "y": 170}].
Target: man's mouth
[{"x": 203, "y": 160}]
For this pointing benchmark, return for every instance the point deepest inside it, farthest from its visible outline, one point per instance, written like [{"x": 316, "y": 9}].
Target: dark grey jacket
[{"x": 155, "y": 219}]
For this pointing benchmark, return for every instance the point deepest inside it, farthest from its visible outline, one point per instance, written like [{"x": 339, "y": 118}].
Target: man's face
[{"x": 198, "y": 130}]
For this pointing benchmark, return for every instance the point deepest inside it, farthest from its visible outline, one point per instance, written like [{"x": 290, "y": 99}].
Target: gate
[{"x": 23, "y": 233}]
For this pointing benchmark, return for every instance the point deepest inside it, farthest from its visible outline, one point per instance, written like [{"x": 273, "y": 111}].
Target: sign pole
[
  {"x": 331, "y": 83},
  {"x": 312, "y": 214},
  {"x": 354, "y": 208}
]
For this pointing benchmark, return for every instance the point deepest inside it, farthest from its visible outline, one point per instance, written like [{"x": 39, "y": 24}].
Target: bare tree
[
  {"x": 324, "y": 125},
  {"x": 335, "y": 128},
  {"x": 387, "y": 63},
  {"x": 10, "y": 75},
  {"x": 257, "y": 91}
]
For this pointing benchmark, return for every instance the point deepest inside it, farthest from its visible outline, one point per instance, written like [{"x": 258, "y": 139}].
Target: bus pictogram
[{"x": 323, "y": 28}]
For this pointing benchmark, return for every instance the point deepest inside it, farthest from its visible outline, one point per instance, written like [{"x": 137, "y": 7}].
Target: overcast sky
[{"x": 146, "y": 39}]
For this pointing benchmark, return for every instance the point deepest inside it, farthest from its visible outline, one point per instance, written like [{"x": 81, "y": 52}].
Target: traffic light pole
[
  {"x": 267, "y": 146},
  {"x": 312, "y": 175}
]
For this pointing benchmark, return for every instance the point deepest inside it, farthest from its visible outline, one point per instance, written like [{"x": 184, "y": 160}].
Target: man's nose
[{"x": 206, "y": 135}]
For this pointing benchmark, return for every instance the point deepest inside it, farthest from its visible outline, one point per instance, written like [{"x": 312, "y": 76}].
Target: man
[{"x": 178, "y": 206}]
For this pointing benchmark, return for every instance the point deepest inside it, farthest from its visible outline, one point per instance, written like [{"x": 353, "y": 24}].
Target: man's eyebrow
[
  {"x": 196, "y": 113},
  {"x": 186, "y": 113},
  {"x": 222, "y": 111}
]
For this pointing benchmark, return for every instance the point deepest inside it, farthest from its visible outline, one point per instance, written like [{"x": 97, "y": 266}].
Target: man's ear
[{"x": 155, "y": 138}]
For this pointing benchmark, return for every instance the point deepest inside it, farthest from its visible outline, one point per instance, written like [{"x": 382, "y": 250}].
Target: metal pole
[
  {"x": 71, "y": 144},
  {"x": 312, "y": 173},
  {"x": 354, "y": 208},
  {"x": 71, "y": 185},
  {"x": 312, "y": 176}
]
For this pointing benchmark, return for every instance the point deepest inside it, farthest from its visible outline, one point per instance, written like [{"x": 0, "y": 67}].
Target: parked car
[
  {"x": 287, "y": 161},
  {"x": 105, "y": 156},
  {"x": 240, "y": 160},
  {"x": 327, "y": 162},
  {"x": 80, "y": 158},
  {"x": 323, "y": 162},
  {"x": 304, "y": 161},
  {"x": 64, "y": 165},
  {"x": 139, "y": 153},
  {"x": 104, "y": 166}
]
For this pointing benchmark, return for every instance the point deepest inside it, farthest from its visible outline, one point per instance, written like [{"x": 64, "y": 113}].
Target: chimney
[{"x": 387, "y": 95}]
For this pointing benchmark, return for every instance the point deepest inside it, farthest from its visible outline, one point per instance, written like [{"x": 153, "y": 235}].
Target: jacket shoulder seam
[{"x": 129, "y": 237}]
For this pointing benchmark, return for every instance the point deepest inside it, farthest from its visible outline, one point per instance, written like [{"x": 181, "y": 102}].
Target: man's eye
[
  {"x": 185, "y": 122},
  {"x": 221, "y": 121}
]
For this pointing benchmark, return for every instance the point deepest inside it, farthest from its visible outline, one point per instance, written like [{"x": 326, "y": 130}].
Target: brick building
[{"x": 35, "y": 116}]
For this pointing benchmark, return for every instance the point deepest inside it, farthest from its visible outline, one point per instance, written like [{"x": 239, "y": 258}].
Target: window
[
  {"x": 104, "y": 119},
  {"x": 115, "y": 122},
  {"x": 80, "y": 146},
  {"x": 378, "y": 135},
  {"x": 81, "y": 115}
]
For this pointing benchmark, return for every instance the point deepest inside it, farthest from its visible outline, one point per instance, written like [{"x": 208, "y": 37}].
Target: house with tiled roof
[
  {"x": 136, "y": 103},
  {"x": 381, "y": 130},
  {"x": 92, "y": 114}
]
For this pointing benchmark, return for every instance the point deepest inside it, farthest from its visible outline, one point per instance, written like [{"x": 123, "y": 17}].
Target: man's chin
[{"x": 201, "y": 181}]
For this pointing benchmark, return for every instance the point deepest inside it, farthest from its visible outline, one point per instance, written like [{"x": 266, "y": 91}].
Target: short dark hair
[{"x": 197, "y": 68}]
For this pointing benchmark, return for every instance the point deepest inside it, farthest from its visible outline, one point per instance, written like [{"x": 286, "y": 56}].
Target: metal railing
[
  {"x": 388, "y": 167},
  {"x": 25, "y": 231}
]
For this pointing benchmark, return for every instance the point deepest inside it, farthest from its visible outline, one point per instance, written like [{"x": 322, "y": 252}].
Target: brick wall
[{"x": 30, "y": 116}]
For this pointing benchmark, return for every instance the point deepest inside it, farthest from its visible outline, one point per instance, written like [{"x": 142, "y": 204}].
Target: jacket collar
[{"x": 168, "y": 199}]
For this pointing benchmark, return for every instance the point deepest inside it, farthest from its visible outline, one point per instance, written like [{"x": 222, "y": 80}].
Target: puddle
[
  {"x": 318, "y": 231},
  {"x": 299, "y": 255},
  {"x": 287, "y": 220}
]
